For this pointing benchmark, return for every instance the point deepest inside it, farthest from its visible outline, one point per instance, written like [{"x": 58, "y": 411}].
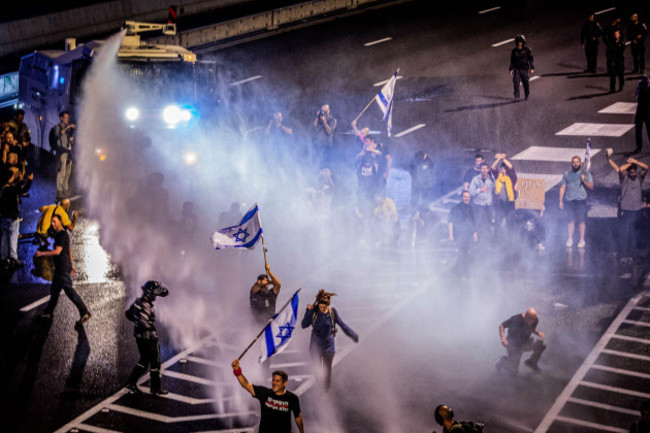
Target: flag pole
[
  {"x": 263, "y": 246},
  {"x": 364, "y": 110},
  {"x": 373, "y": 98},
  {"x": 267, "y": 325}
]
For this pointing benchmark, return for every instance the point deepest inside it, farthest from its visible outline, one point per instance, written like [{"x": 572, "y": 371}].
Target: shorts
[{"x": 577, "y": 210}]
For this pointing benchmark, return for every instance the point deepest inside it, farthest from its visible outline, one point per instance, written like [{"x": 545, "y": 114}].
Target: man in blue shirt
[{"x": 573, "y": 191}]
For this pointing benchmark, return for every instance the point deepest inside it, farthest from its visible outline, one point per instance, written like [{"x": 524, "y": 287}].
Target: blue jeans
[{"x": 10, "y": 232}]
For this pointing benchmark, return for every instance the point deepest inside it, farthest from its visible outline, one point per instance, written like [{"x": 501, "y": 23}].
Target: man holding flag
[
  {"x": 276, "y": 402},
  {"x": 263, "y": 295}
]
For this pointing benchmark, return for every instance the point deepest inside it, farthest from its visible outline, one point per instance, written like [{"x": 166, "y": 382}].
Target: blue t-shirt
[{"x": 575, "y": 190}]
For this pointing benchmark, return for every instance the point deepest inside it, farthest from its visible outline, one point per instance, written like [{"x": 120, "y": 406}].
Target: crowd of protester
[{"x": 485, "y": 217}]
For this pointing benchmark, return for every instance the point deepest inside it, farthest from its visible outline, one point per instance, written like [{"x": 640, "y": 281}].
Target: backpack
[{"x": 332, "y": 318}]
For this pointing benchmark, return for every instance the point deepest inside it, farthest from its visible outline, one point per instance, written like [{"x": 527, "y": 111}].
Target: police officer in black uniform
[
  {"x": 143, "y": 315},
  {"x": 636, "y": 33},
  {"x": 642, "y": 112},
  {"x": 589, "y": 35},
  {"x": 521, "y": 62},
  {"x": 615, "y": 61}
]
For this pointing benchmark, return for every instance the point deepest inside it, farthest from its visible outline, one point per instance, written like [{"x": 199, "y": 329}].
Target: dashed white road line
[
  {"x": 507, "y": 41},
  {"x": 378, "y": 41},
  {"x": 485, "y": 11},
  {"x": 246, "y": 80},
  {"x": 414, "y": 128},
  {"x": 604, "y": 11}
]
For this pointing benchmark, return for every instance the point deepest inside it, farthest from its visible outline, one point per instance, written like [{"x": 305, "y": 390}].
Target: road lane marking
[
  {"x": 637, "y": 323},
  {"x": 246, "y": 80},
  {"x": 378, "y": 41},
  {"x": 209, "y": 362},
  {"x": 186, "y": 399},
  {"x": 195, "y": 379},
  {"x": 553, "y": 414},
  {"x": 620, "y": 108},
  {"x": 593, "y": 425},
  {"x": 614, "y": 389},
  {"x": 485, "y": 11},
  {"x": 110, "y": 400},
  {"x": 598, "y": 129},
  {"x": 621, "y": 371},
  {"x": 95, "y": 429},
  {"x": 174, "y": 419},
  {"x": 635, "y": 339},
  {"x": 408, "y": 131},
  {"x": 603, "y": 406},
  {"x": 605, "y": 11},
  {"x": 626, "y": 354},
  {"x": 507, "y": 41},
  {"x": 381, "y": 83},
  {"x": 35, "y": 304},
  {"x": 553, "y": 154}
]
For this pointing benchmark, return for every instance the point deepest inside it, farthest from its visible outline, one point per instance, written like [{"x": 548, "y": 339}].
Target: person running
[{"x": 323, "y": 319}]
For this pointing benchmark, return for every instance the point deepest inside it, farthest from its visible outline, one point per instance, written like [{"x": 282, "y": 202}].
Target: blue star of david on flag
[
  {"x": 243, "y": 235},
  {"x": 285, "y": 333},
  {"x": 278, "y": 333}
]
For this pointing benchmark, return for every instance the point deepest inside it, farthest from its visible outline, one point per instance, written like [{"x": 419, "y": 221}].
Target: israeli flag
[
  {"x": 588, "y": 155},
  {"x": 385, "y": 101},
  {"x": 278, "y": 333},
  {"x": 244, "y": 235}
]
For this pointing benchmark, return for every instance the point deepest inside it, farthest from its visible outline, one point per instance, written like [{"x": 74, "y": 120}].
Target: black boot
[
  {"x": 156, "y": 388},
  {"x": 131, "y": 382}
]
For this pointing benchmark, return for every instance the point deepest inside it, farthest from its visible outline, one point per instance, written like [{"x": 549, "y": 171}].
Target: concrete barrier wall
[
  {"x": 31, "y": 33},
  {"x": 229, "y": 32}
]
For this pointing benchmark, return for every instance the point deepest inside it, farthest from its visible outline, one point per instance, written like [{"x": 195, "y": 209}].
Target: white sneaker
[
  {"x": 569, "y": 243},
  {"x": 581, "y": 244}
]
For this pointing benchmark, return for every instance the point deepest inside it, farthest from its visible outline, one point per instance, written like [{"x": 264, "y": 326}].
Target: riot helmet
[{"x": 153, "y": 289}]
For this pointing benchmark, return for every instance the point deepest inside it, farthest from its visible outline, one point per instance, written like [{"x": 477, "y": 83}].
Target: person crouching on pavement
[
  {"x": 520, "y": 326},
  {"x": 323, "y": 319},
  {"x": 143, "y": 316}
]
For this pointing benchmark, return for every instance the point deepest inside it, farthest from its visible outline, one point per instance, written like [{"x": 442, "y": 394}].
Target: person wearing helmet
[
  {"x": 143, "y": 316},
  {"x": 444, "y": 416},
  {"x": 521, "y": 63},
  {"x": 323, "y": 319}
]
